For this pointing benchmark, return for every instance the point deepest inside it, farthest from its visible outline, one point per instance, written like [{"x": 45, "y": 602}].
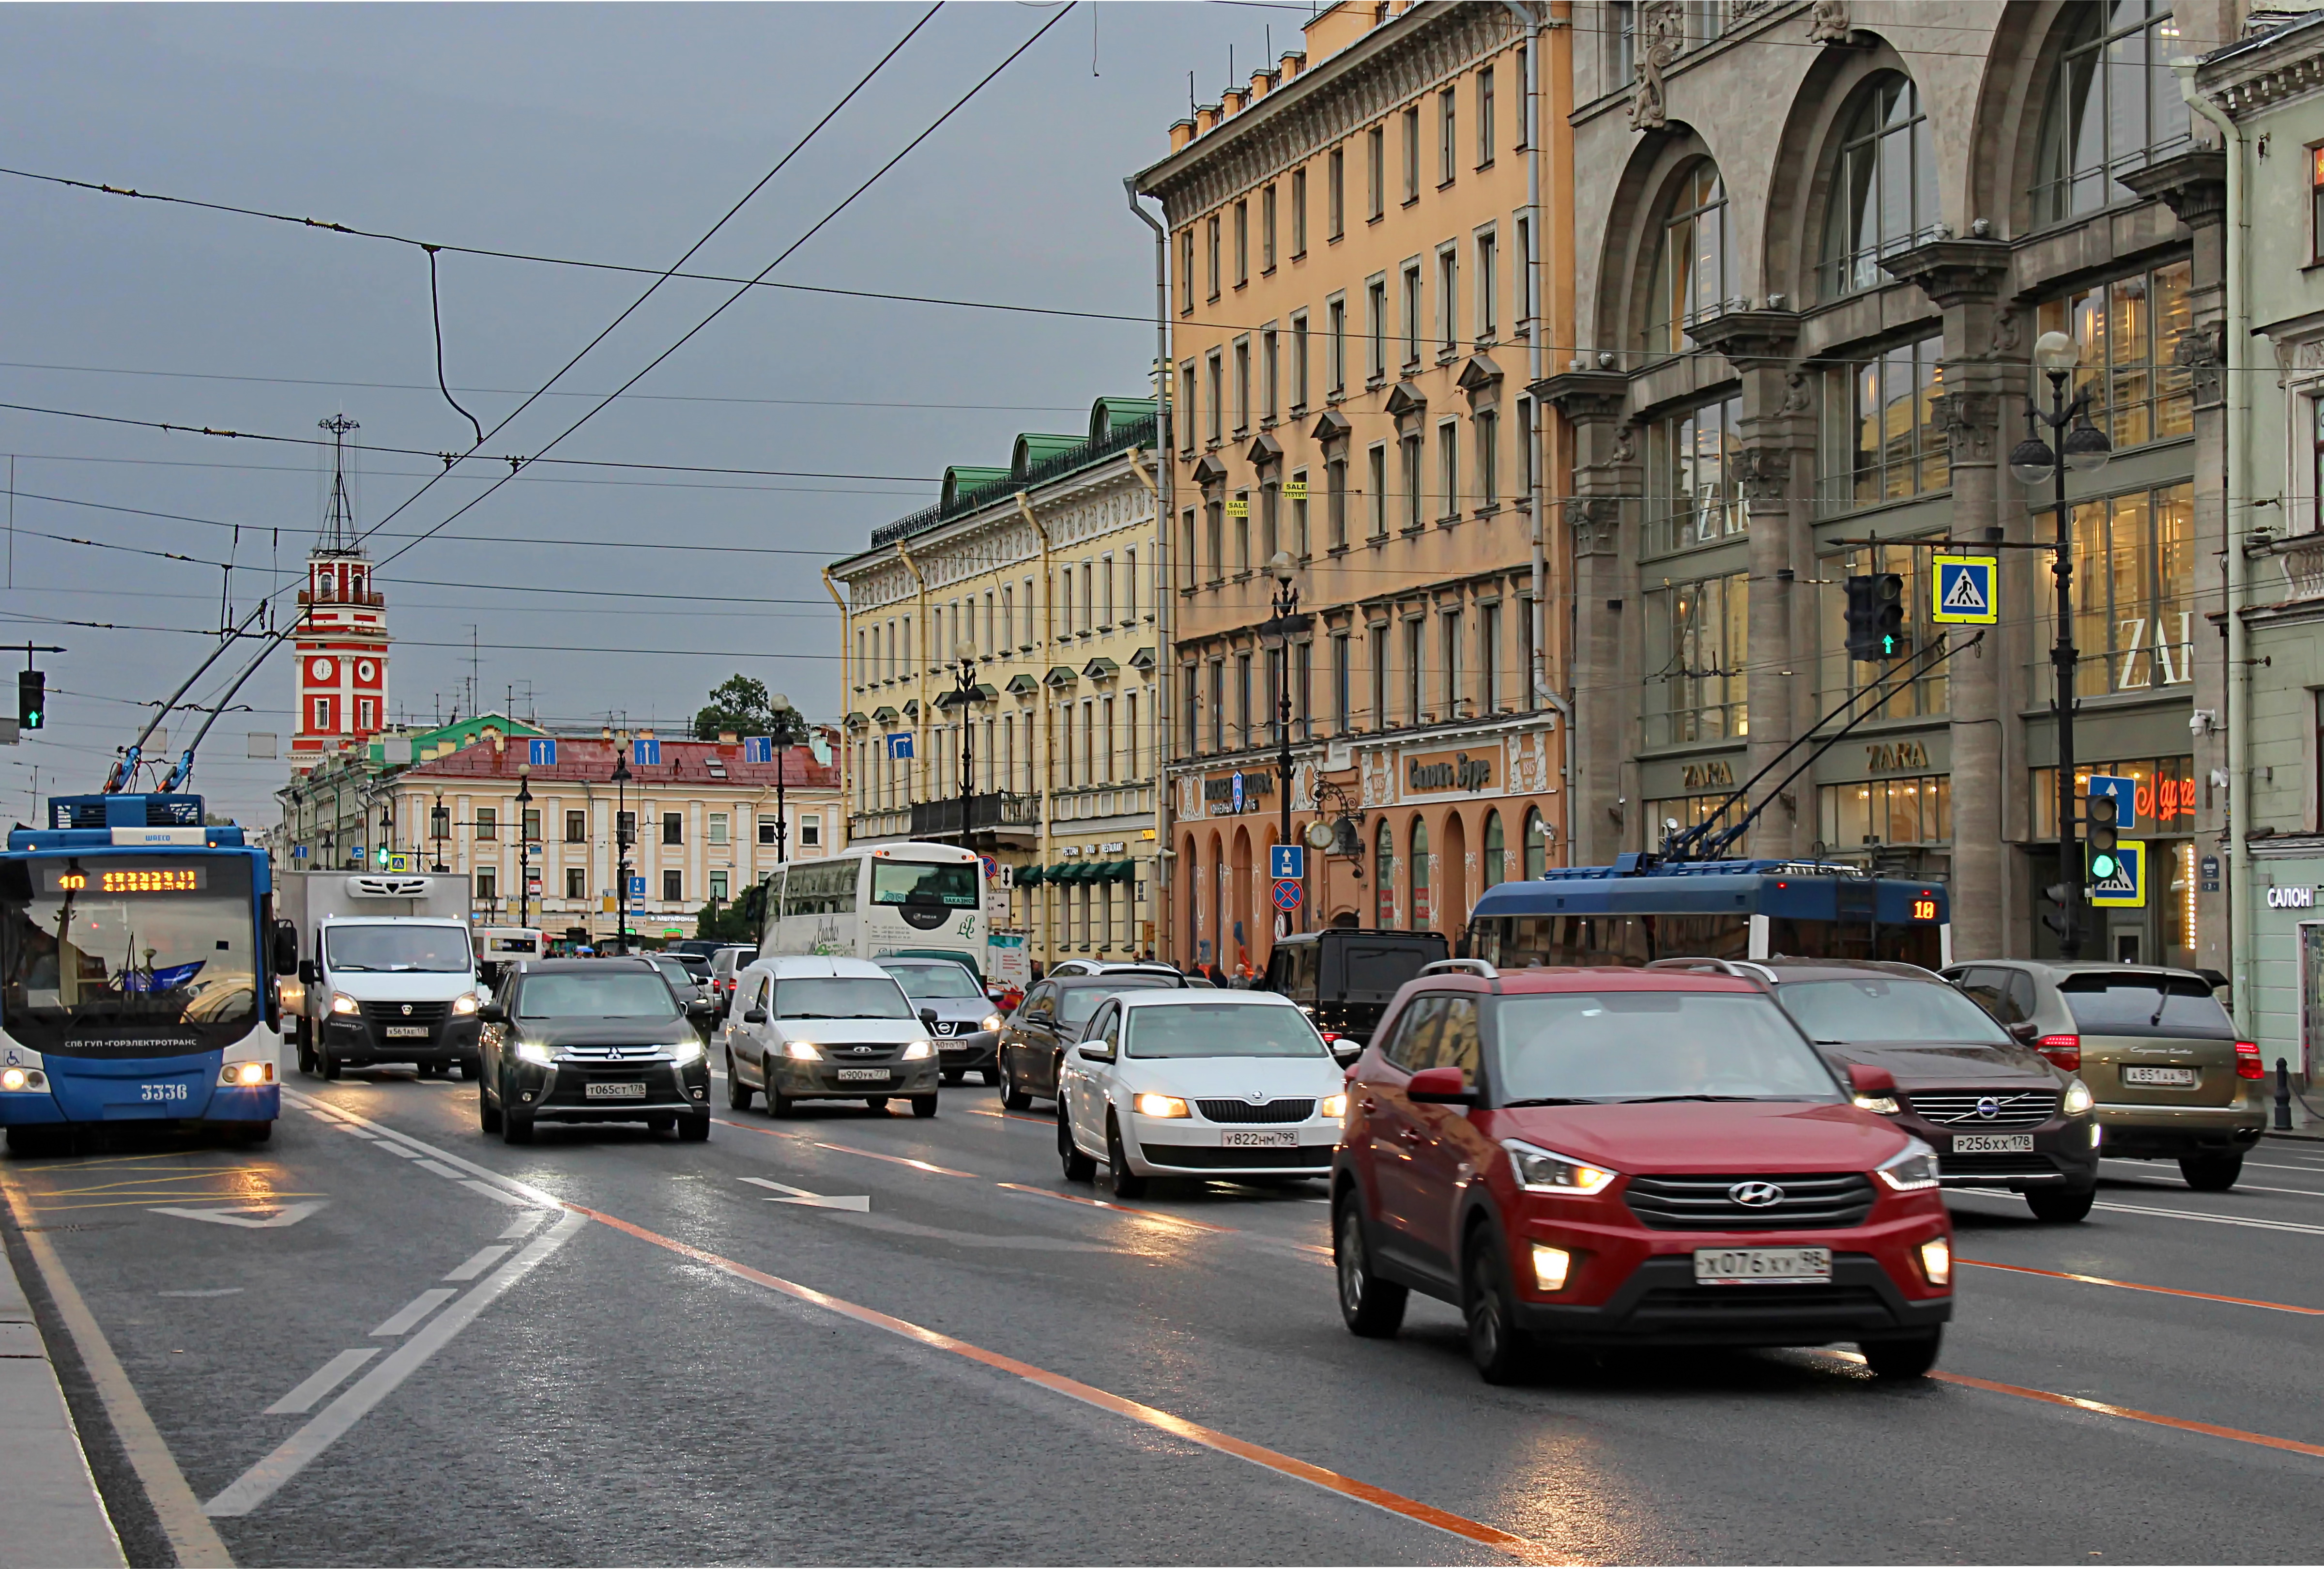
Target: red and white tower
[{"x": 342, "y": 638}]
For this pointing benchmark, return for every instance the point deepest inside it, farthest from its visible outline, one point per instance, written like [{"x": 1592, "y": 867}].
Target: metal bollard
[{"x": 2282, "y": 1096}]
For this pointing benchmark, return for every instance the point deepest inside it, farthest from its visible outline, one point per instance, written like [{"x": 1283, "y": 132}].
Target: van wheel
[
  {"x": 1127, "y": 1184},
  {"x": 1903, "y": 1359},
  {"x": 325, "y": 1064},
  {"x": 738, "y": 1093},
  {"x": 1372, "y": 1307},
  {"x": 2211, "y": 1173},
  {"x": 2060, "y": 1204},
  {"x": 1502, "y": 1352}
]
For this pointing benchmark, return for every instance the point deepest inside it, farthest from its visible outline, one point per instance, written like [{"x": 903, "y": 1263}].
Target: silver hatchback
[{"x": 2171, "y": 1079}]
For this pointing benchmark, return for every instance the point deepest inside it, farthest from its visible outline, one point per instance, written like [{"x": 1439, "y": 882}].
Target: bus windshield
[
  {"x": 131, "y": 956},
  {"x": 951, "y": 884}
]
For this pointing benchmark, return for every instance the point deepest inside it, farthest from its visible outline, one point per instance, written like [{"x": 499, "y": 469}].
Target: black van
[{"x": 1344, "y": 976}]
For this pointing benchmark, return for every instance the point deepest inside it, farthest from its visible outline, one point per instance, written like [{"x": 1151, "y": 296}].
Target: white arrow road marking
[
  {"x": 289, "y": 1214},
  {"x": 861, "y": 1203}
]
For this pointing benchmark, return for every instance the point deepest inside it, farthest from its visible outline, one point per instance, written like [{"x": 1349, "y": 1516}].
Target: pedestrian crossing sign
[
  {"x": 1964, "y": 591},
  {"x": 2127, "y": 887}
]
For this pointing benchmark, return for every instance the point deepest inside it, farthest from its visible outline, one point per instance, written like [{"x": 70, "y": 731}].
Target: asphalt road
[{"x": 611, "y": 1347}]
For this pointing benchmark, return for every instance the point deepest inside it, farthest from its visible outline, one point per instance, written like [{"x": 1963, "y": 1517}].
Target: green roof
[
  {"x": 1033, "y": 448},
  {"x": 1108, "y": 415},
  {"x": 962, "y": 481}
]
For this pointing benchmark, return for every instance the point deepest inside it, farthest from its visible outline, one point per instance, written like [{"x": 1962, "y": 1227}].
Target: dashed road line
[
  {"x": 302, "y": 1399},
  {"x": 2136, "y": 1286},
  {"x": 481, "y": 1261},
  {"x": 2130, "y": 1413},
  {"x": 413, "y": 1311},
  {"x": 2189, "y": 1214}
]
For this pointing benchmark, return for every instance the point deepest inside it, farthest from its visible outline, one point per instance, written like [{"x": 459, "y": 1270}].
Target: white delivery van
[{"x": 387, "y": 971}]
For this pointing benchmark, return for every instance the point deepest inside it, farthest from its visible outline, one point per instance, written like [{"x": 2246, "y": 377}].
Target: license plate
[
  {"x": 407, "y": 1032},
  {"x": 618, "y": 1092},
  {"x": 1250, "y": 1139},
  {"x": 1762, "y": 1266},
  {"x": 2177, "y": 1078},
  {"x": 1993, "y": 1144},
  {"x": 862, "y": 1075}
]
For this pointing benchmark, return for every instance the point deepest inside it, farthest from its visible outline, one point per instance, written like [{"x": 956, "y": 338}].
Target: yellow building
[
  {"x": 1357, "y": 309},
  {"x": 1016, "y": 620}
]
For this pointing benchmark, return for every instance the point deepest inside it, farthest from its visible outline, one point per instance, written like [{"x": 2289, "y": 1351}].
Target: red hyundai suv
[{"x": 1645, "y": 1156}]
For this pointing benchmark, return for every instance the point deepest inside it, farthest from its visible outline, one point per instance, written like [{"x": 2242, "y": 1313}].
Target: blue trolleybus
[
  {"x": 138, "y": 952},
  {"x": 1641, "y": 909}
]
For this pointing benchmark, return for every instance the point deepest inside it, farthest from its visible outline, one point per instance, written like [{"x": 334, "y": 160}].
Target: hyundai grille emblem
[
  {"x": 1989, "y": 1107},
  {"x": 1755, "y": 1195},
  {"x": 407, "y": 1010}
]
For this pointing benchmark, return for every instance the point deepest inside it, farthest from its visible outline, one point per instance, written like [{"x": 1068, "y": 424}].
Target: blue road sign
[
  {"x": 1964, "y": 588},
  {"x": 757, "y": 748},
  {"x": 646, "y": 750},
  {"x": 1287, "y": 861},
  {"x": 636, "y": 887},
  {"x": 899, "y": 744},
  {"x": 543, "y": 752},
  {"x": 298, "y": 852},
  {"x": 2127, "y": 887},
  {"x": 2125, "y": 792},
  {"x": 1288, "y": 895}
]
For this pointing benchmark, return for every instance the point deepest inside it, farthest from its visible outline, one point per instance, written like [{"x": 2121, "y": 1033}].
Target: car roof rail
[
  {"x": 1461, "y": 967},
  {"x": 1741, "y": 969}
]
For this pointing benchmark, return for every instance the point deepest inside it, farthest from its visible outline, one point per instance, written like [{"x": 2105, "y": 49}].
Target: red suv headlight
[{"x": 1540, "y": 1170}]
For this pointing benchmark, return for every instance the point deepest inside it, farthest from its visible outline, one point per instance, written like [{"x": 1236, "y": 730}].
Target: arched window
[
  {"x": 1537, "y": 846},
  {"x": 1383, "y": 878},
  {"x": 2114, "y": 106},
  {"x": 1884, "y": 188},
  {"x": 1417, "y": 854},
  {"x": 1695, "y": 260},
  {"x": 1496, "y": 853}
]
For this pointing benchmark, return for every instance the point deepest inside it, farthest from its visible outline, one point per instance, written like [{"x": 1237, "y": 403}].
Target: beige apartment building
[
  {"x": 1355, "y": 244},
  {"x": 1018, "y": 615}
]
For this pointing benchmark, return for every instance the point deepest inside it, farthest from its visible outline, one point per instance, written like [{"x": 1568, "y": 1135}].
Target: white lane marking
[
  {"x": 2189, "y": 1214},
  {"x": 481, "y": 1261},
  {"x": 522, "y": 1225},
  {"x": 505, "y": 1183},
  {"x": 440, "y": 1169},
  {"x": 289, "y": 1214},
  {"x": 358, "y": 1133},
  {"x": 214, "y": 1291},
  {"x": 321, "y": 1382},
  {"x": 413, "y": 1311},
  {"x": 2280, "y": 1166},
  {"x": 502, "y": 1193},
  {"x": 394, "y": 1148},
  {"x": 786, "y": 1193},
  {"x": 259, "y": 1483},
  {"x": 2240, "y": 1187}
]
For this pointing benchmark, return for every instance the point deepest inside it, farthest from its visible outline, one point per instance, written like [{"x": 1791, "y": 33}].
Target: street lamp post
[
  {"x": 964, "y": 696},
  {"x": 624, "y": 833},
  {"x": 1277, "y": 633},
  {"x": 386, "y": 835},
  {"x": 439, "y": 828},
  {"x": 2082, "y": 447},
  {"x": 524, "y": 846},
  {"x": 783, "y": 733}
]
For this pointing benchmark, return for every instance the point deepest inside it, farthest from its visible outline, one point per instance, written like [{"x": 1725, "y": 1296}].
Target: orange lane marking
[
  {"x": 1124, "y": 1209},
  {"x": 2134, "y": 1286},
  {"x": 847, "y": 1149},
  {"x": 1210, "y": 1438},
  {"x": 2130, "y": 1413}
]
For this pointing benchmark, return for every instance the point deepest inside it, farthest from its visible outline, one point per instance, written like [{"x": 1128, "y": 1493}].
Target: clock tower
[{"x": 342, "y": 639}]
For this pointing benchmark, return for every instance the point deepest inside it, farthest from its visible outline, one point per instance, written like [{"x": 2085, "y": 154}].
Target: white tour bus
[{"x": 873, "y": 902}]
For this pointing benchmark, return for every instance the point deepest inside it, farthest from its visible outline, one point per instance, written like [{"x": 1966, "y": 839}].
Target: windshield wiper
[
  {"x": 1550, "y": 1100},
  {"x": 1647, "y": 1100}
]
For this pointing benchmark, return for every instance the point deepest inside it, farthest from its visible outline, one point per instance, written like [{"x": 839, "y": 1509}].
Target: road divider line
[
  {"x": 2131, "y": 1414},
  {"x": 2189, "y": 1214},
  {"x": 440, "y": 1169},
  {"x": 481, "y": 1261},
  {"x": 928, "y": 1165},
  {"x": 295, "y": 1453},
  {"x": 413, "y": 1311},
  {"x": 321, "y": 1382},
  {"x": 193, "y": 1540},
  {"x": 1122, "y": 1209},
  {"x": 1152, "y": 1416},
  {"x": 2240, "y": 1186},
  {"x": 2134, "y": 1286},
  {"x": 506, "y": 1184}
]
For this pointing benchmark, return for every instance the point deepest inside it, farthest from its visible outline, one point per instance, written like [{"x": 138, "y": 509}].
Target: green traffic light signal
[{"x": 2103, "y": 866}]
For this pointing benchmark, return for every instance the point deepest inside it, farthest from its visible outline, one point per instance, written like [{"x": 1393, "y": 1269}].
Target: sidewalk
[{"x": 54, "y": 1517}]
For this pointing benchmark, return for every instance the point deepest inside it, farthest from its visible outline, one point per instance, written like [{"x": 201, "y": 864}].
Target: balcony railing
[{"x": 995, "y": 809}]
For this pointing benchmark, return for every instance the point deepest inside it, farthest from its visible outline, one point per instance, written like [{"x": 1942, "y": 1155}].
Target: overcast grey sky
[{"x": 610, "y": 133}]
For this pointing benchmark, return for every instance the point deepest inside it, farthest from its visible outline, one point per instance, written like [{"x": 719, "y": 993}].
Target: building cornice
[{"x": 2277, "y": 67}]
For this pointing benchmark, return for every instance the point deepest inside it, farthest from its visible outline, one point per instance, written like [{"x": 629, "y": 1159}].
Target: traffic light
[
  {"x": 2100, "y": 817},
  {"x": 1888, "y": 615},
  {"x": 31, "y": 699},
  {"x": 2057, "y": 893},
  {"x": 1863, "y": 611}
]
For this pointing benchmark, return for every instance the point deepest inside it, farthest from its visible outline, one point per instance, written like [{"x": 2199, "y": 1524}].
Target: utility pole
[
  {"x": 624, "y": 833},
  {"x": 782, "y": 735},
  {"x": 1277, "y": 633}
]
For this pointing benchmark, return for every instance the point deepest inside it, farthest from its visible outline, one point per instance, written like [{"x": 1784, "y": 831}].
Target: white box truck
[{"x": 387, "y": 971}]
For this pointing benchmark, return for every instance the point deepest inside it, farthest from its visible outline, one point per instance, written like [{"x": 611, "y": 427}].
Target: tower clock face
[
  {"x": 366, "y": 670},
  {"x": 322, "y": 669}
]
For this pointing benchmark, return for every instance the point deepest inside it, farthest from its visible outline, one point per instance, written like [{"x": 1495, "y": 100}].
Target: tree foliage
[{"x": 738, "y": 704}]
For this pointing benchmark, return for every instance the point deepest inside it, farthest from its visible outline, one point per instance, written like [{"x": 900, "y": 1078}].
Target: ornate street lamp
[
  {"x": 524, "y": 846},
  {"x": 1276, "y": 633},
  {"x": 783, "y": 732},
  {"x": 624, "y": 834},
  {"x": 963, "y": 696}
]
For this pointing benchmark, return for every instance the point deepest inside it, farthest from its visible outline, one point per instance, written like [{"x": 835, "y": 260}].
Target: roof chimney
[
  {"x": 1182, "y": 131},
  {"x": 1206, "y": 116},
  {"x": 1231, "y": 102},
  {"x": 1292, "y": 62}
]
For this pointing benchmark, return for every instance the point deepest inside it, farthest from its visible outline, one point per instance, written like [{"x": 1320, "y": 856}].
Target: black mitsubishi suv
[
  {"x": 592, "y": 1040},
  {"x": 1998, "y": 1113}
]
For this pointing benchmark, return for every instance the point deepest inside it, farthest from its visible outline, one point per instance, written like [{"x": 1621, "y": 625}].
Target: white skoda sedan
[{"x": 1182, "y": 1083}]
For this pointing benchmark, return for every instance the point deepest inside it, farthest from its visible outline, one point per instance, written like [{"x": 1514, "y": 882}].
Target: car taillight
[
  {"x": 2248, "y": 1063},
  {"x": 2064, "y": 1050}
]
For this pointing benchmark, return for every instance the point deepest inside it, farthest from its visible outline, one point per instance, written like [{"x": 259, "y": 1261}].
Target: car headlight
[
  {"x": 465, "y": 1002},
  {"x": 992, "y": 1021},
  {"x": 22, "y": 1078},
  {"x": 1884, "y": 1104},
  {"x": 1542, "y": 1170},
  {"x": 343, "y": 1004},
  {"x": 536, "y": 1052},
  {"x": 1551, "y": 1266},
  {"x": 243, "y": 1074},
  {"x": 1937, "y": 1261},
  {"x": 1333, "y": 1106},
  {"x": 1149, "y": 1105},
  {"x": 919, "y": 1051},
  {"x": 2079, "y": 1098},
  {"x": 801, "y": 1051},
  {"x": 686, "y": 1051},
  {"x": 1911, "y": 1168}
]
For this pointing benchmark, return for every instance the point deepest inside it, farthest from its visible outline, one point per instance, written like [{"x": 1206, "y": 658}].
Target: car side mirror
[
  {"x": 2024, "y": 1033},
  {"x": 928, "y": 1017},
  {"x": 701, "y": 1008},
  {"x": 755, "y": 1016},
  {"x": 492, "y": 1013},
  {"x": 1871, "y": 1083},
  {"x": 1445, "y": 1086},
  {"x": 306, "y": 976},
  {"x": 1345, "y": 1052},
  {"x": 1099, "y": 1050}
]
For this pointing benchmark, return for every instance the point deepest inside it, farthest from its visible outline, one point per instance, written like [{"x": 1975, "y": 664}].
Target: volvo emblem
[
  {"x": 1755, "y": 1195},
  {"x": 407, "y": 1010},
  {"x": 1989, "y": 1107}
]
